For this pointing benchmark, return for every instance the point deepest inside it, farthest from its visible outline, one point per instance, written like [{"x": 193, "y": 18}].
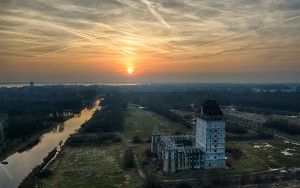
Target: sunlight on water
[{"x": 21, "y": 163}]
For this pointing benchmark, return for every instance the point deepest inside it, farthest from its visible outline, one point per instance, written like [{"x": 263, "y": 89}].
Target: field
[
  {"x": 92, "y": 167},
  {"x": 264, "y": 155},
  {"x": 142, "y": 123},
  {"x": 101, "y": 166}
]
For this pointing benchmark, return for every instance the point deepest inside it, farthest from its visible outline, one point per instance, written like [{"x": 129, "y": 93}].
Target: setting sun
[{"x": 130, "y": 70}]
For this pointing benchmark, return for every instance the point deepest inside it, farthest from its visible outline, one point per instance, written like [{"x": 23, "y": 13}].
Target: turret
[{"x": 210, "y": 133}]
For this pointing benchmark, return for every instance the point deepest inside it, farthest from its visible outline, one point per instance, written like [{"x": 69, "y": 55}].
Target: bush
[
  {"x": 235, "y": 128},
  {"x": 283, "y": 125},
  {"x": 148, "y": 153},
  {"x": 128, "y": 159},
  {"x": 184, "y": 185},
  {"x": 136, "y": 140},
  {"x": 245, "y": 179},
  {"x": 234, "y": 153},
  {"x": 45, "y": 173}
]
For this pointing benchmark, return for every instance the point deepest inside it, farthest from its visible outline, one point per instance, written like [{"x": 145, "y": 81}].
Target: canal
[{"x": 21, "y": 163}]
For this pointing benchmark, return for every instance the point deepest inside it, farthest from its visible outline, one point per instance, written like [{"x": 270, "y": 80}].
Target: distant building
[
  {"x": 204, "y": 150},
  {"x": 31, "y": 84}
]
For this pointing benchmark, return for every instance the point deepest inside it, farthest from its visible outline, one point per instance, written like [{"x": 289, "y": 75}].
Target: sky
[{"x": 150, "y": 41}]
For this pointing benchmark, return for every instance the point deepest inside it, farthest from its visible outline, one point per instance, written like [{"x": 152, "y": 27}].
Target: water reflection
[
  {"x": 21, "y": 163},
  {"x": 61, "y": 127},
  {"x": 30, "y": 145}
]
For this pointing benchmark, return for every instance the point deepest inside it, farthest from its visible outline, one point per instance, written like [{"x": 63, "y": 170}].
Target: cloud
[
  {"x": 168, "y": 31},
  {"x": 155, "y": 13}
]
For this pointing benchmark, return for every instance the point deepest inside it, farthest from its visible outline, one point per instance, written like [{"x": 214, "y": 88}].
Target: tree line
[
  {"x": 192, "y": 100},
  {"x": 283, "y": 125},
  {"x": 106, "y": 124}
]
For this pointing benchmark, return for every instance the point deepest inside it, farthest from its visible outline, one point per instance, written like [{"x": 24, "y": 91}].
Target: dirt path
[{"x": 138, "y": 166}]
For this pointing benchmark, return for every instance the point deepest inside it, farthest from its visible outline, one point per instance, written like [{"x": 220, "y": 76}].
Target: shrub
[
  {"x": 283, "y": 125},
  {"x": 235, "y": 128},
  {"x": 184, "y": 185},
  {"x": 148, "y": 153},
  {"x": 128, "y": 159},
  {"x": 136, "y": 140},
  {"x": 45, "y": 173}
]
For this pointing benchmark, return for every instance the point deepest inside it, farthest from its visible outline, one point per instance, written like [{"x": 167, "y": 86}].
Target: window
[
  {"x": 216, "y": 146},
  {"x": 215, "y": 157},
  {"x": 216, "y": 130},
  {"x": 215, "y": 150}
]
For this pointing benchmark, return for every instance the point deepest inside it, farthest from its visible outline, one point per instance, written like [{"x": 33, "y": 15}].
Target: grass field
[
  {"x": 92, "y": 167},
  {"x": 261, "y": 155},
  {"x": 139, "y": 122},
  {"x": 101, "y": 166}
]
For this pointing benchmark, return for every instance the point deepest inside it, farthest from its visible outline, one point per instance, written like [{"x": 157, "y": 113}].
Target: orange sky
[{"x": 162, "y": 41}]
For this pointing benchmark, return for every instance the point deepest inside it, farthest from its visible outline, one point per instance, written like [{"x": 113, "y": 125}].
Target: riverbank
[
  {"x": 31, "y": 179},
  {"x": 3, "y": 118},
  {"x": 20, "y": 144},
  {"x": 20, "y": 164},
  {"x": 101, "y": 165}
]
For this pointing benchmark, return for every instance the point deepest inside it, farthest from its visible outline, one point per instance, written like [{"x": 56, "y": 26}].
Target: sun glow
[{"x": 130, "y": 70}]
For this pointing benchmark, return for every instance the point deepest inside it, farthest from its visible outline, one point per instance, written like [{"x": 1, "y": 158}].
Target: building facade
[{"x": 203, "y": 150}]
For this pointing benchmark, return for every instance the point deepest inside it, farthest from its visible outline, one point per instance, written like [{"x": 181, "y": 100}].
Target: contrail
[
  {"x": 62, "y": 49},
  {"x": 51, "y": 44},
  {"x": 277, "y": 22},
  {"x": 243, "y": 33},
  {"x": 87, "y": 37},
  {"x": 155, "y": 13}
]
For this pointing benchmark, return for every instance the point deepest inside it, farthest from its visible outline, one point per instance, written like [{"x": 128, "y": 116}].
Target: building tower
[{"x": 210, "y": 134}]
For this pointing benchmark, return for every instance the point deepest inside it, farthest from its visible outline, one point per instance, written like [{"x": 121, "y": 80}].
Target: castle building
[{"x": 203, "y": 150}]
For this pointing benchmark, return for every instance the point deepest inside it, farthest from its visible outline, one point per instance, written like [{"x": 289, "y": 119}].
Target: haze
[{"x": 159, "y": 40}]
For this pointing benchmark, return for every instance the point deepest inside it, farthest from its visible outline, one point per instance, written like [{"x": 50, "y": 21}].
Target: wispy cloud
[
  {"x": 184, "y": 32},
  {"x": 155, "y": 13}
]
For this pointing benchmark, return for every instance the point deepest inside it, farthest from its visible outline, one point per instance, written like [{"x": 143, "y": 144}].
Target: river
[{"x": 20, "y": 164}]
